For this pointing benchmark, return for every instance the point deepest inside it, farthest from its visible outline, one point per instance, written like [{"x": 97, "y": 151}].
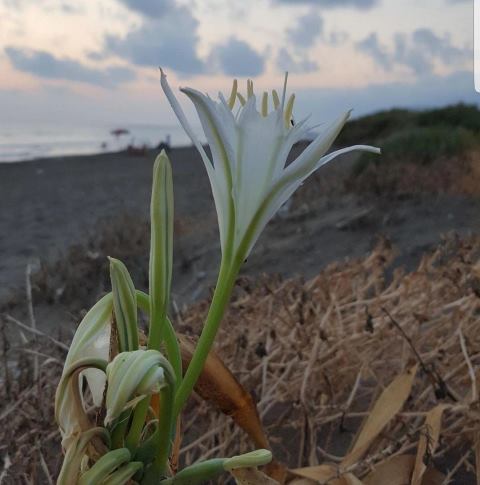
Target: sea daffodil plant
[{"x": 139, "y": 390}]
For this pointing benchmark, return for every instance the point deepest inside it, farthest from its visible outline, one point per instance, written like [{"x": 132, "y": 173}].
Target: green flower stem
[
  {"x": 118, "y": 433},
  {"x": 169, "y": 337},
  {"x": 165, "y": 426},
  {"x": 197, "y": 473},
  {"x": 104, "y": 466},
  {"x": 174, "y": 357},
  {"x": 221, "y": 297},
  {"x": 138, "y": 422}
]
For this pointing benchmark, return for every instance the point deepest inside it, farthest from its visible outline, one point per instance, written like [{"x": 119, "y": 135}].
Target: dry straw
[{"x": 352, "y": 368}]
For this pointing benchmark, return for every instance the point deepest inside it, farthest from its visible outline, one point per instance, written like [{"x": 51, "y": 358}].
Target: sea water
[{"x": 30, "y": 141}]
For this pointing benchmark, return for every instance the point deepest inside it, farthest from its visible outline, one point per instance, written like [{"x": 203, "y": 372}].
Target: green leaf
[
  {"x": 133, "y": 375},
  {"x": 161, "y": 247},
  {"x": 75, "y": 452},
  {"x": 123, "y": 475},
  {"x": 124, "y": 305},
  {"x": 104, "y": 466},
  {"x": 197, "y": 473}
]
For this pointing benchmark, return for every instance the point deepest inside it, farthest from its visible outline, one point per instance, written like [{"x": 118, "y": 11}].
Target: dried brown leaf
[
  {"x": 385, "y": 408},
  {"x": 220, "y": 387},
  {"x": 324, "y": 474},
  {"x": 252, "y": 476},
  {"x": 319, "y": 473},
  {"x": 428, "y": 442},
  {"x": 302, "y": 481},
  {"x": 398, "y": 470},
  {"x": 477, "y": 455},
  {"x": 349, "y": 479}
]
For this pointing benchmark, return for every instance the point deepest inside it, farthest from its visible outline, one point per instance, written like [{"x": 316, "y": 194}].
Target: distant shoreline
[{"x": 74, "y": 156}]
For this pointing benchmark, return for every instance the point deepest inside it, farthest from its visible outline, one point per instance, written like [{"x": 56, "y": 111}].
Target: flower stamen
[
  {"x": 241, "y": 99},
  {"x": 276, "y": 99},
  {"x": 249, "y": 88},
  {"x": 233, "y": 94},
  {"x": 265, "y": 104},
  {"x": 284, "y": 94}
]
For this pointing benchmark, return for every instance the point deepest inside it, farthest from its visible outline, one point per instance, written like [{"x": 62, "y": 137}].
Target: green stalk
[
  {"x": 168, "y": 336},
  {"x": 197, "y": 473},
  {"x": 163, "y": 445},
  {"x": 221, "y": 297},
  {"x": 138, "y": 422},
  {"x": 164, "y": 434},
  {"x": 118, "y": 433},
  {"x": 174, "y": 357}
]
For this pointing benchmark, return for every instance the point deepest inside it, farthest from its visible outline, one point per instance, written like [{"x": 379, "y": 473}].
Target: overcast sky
[{"x": 83, "y": 60}]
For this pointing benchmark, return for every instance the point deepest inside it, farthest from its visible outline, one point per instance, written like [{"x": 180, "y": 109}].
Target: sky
[{"x": 81, "y": 60}]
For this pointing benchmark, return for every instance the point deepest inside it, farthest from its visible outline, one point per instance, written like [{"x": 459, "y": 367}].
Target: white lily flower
[{"x": 248, "y": 173}]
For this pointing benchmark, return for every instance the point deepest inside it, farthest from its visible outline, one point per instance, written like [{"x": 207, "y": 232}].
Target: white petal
[
  {"x": 285, "y": 188},
  {"x": 310, "y": 156},
  {"x": 359, "y": 148},
  {"x": 219, "y": 193},
  {"x": 219, "y": 127},
  {"x": 261, "y": 158},
  {"x": 177, "y": 109}
]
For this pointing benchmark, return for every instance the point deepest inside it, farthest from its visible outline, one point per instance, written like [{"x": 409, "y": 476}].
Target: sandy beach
[
  {"x": 65, "y": 216},
  {"x": 49, "y": 205}
]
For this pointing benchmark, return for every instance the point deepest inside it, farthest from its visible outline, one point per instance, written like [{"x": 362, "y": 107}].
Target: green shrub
[
  {"x": 420, "y": 145},
  {"x": 460, "y": 115},
  {"x": 369, "y": 129},
  {"x": 415, "y": 136}
]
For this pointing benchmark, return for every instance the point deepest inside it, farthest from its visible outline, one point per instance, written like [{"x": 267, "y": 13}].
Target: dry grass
[
  {"x": 452, "y": 174},
  {"x": 316, "y": 355},
  {"x": 390, "y": 177}
]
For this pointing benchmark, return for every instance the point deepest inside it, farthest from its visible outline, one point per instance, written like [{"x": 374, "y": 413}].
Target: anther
[
  {"x": 265, "y": 104},
  {"x": 233, "y": 94},
  {"x": 249, "y": 88},
  {"x": 276, "y": 99}
]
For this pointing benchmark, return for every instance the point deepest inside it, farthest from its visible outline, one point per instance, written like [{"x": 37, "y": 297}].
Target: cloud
[
  {"x": 69, "y": 9},
  {"x": 363, "y": 4},
  {"x": 300, "y": 38},
  {"x": 418, "y": 51},
  {"x": 236, "y": 58},
  {"x": 167, "y": 37},
  {"x": 337, "y": 38},
  {"x": 150, "y": 8},
  {"x": 378, "y": 53},
  {"x": 299, "y": 64},
  {"x": 309, "y": 27},
  {"x": 413, "y": 57},
  {"x": 44, "y": 65},
  {"x": 440, "y": 47}
]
